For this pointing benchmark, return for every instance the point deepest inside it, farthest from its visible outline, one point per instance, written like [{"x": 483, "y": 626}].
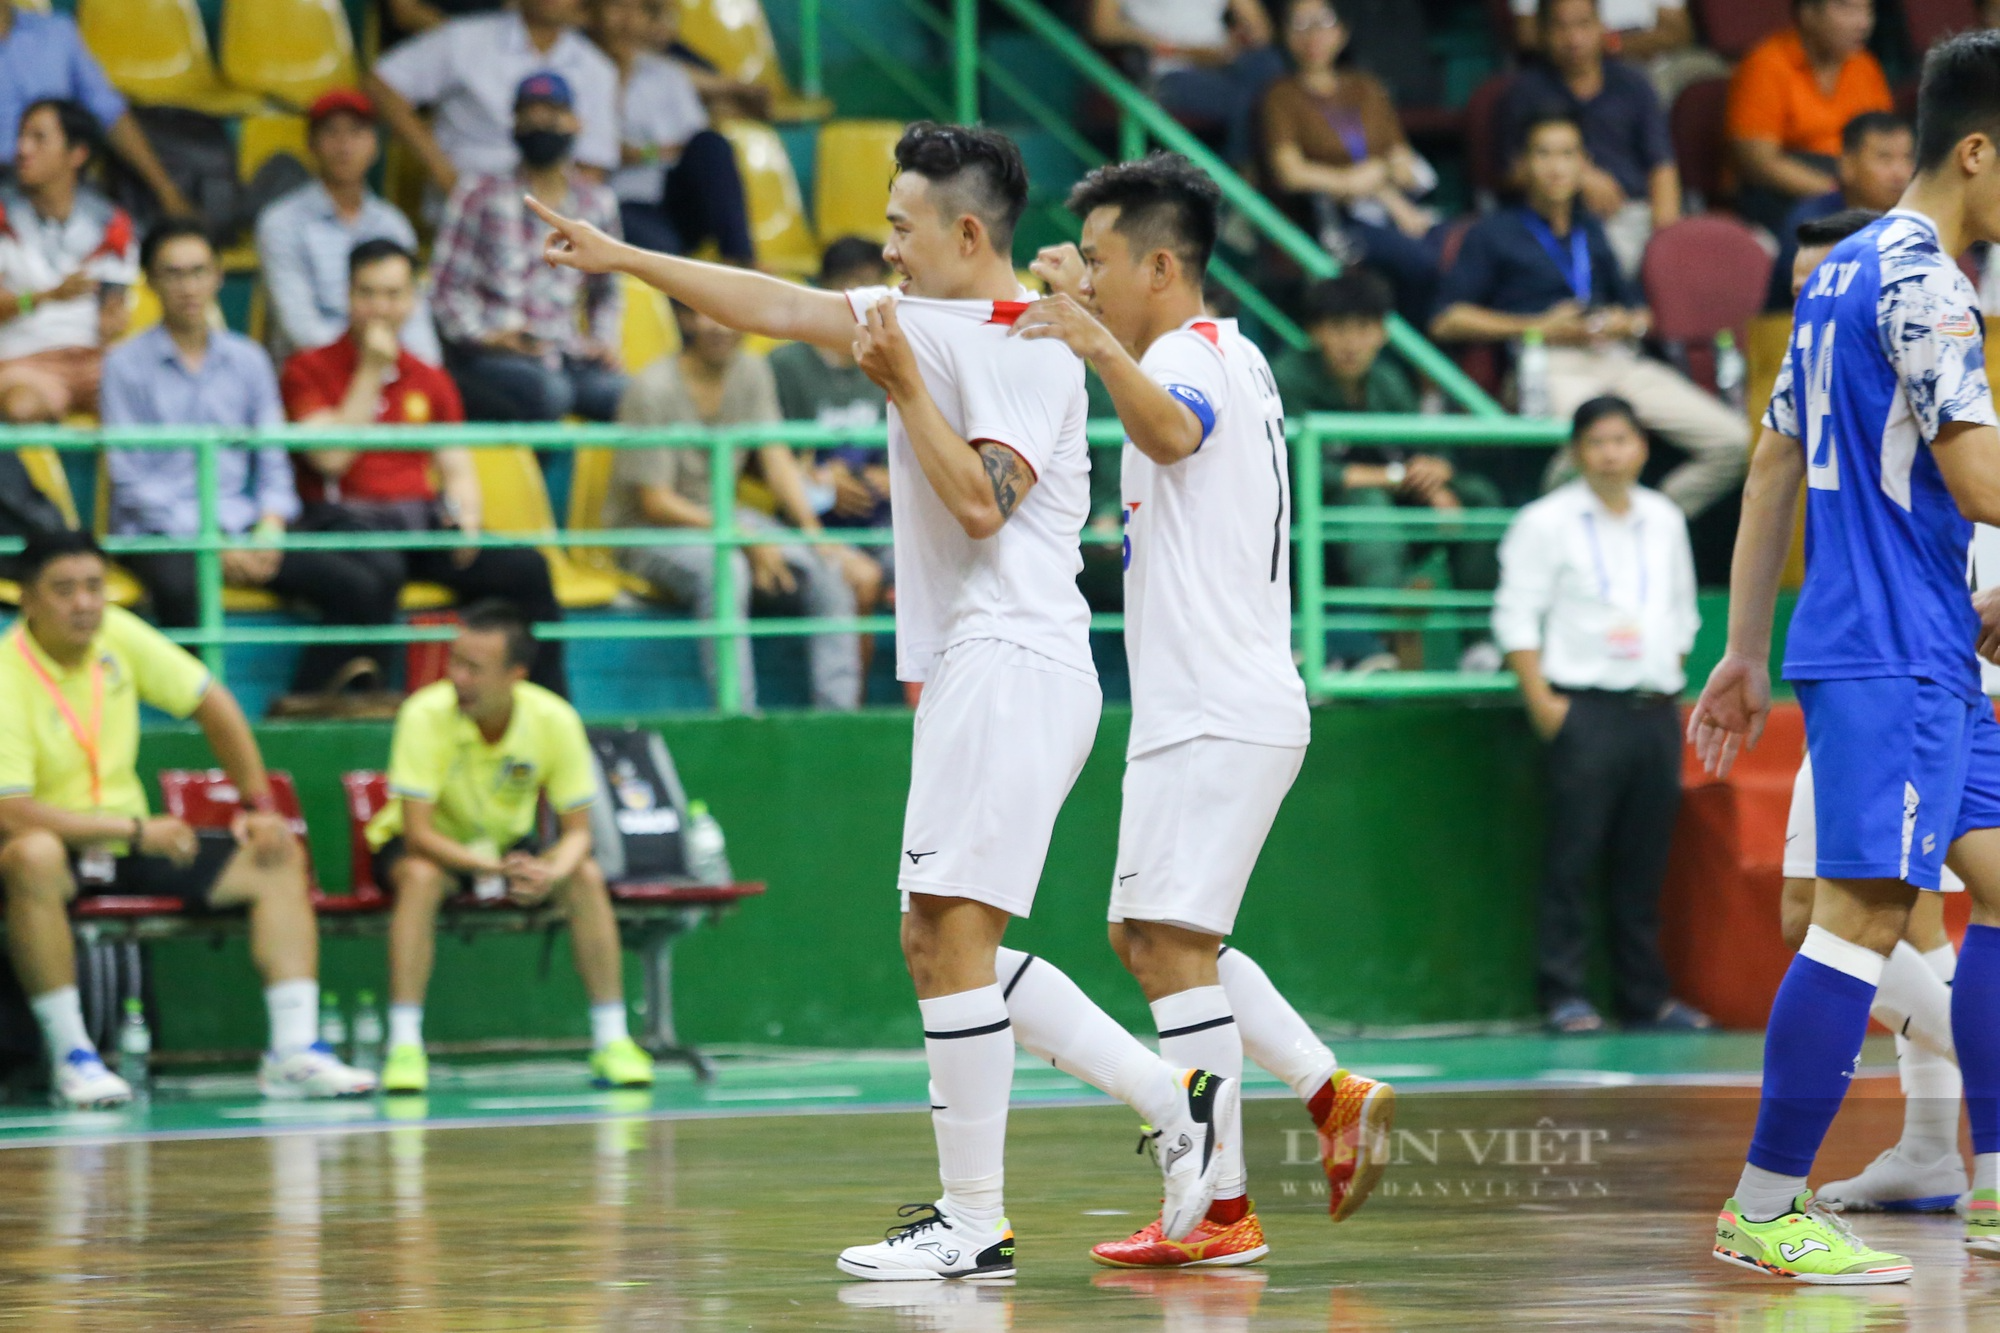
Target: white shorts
[
  {"x": 1001, "y": 733},
  {"x": 1195, "y": 817},
  {"x": 1802, "y": 835}
]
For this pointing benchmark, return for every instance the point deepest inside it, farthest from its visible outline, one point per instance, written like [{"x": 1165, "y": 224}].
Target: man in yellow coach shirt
[
  {"x": 471, "y": 759},
  {"x": 74, "y": 818}
]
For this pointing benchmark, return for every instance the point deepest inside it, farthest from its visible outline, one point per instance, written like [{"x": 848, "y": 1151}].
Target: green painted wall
[{"x": 1395, "y": 888}]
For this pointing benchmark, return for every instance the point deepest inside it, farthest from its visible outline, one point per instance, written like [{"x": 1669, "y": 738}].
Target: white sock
[
  {"x": 1762, "y": 1195},
  {"x": 294, "y": 1010},
  {"x": 1055, "y": 1021},
  {"x": 60, "y": 1013},
  {"x": 1932, "y": 1089},
  {"x": 1914, "y": 1000},
  {"x": 406, "y": 1025},
  {"x": 1271, "y": 1030},
  {"x": 607, "y": 1024},
  {"x": 1986, "y": 1171},
  {"x": 1198, "y": 1031},
  {"x": 970, "y": 1045}
]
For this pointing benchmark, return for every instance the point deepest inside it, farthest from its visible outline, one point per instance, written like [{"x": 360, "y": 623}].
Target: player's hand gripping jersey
[
  {"x": 1018, "y": 585},
  {"x": 1208, "y": 593},
  {"x": 1887, "y": 349}
]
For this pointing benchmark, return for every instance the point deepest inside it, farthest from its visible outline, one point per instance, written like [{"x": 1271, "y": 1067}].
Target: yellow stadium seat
[
  {"x": 516, "y": 499},
  {"x": 289, "y": 50},
  {"x": 156, "y": 52},
  {"x": 44, "y": 467},
  {"x": 648, "y": 331},
  {"x": 856, "y": 159},
  {"x": 778, "y": 226},
  {"x": 262, "y": 137},
  {"x": 33, "y": 6},
  {"x": 589, "y": 488},
  {"x": 735, "y": 37}
]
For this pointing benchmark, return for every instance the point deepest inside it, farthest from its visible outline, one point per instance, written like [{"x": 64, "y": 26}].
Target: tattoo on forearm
[{"x": 1003, "y": 470}]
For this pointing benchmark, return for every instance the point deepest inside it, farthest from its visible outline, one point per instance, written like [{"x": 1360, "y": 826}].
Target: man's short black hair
[
  {"x": 79, "y": 127},
  {"x": 983, "y": 169},
  {"x": 1546, "y": 10},
  {"x": 1833, "y": 228},
  {"x": 1599, "y": 408},
  {"x": 1544, "y": 117},
  {"x": 45, "y": 548},
  {"x": 1164, "y": 202},
  {"x": 1856, "y": 131},
  {"x": 375, "y": 250},
  {"x": 850, "y": 254},
  {"x": 1358, "y": 293},
  {"x": 171, "y": 229},
  {"x": 1960, "y": 95},
  {"x": 493, "y": 616}
]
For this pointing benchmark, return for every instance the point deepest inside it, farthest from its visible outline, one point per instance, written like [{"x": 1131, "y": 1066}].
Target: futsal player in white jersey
[
  {"x": 1219, "y": 719},
  {"x": 990, "y": 472}
]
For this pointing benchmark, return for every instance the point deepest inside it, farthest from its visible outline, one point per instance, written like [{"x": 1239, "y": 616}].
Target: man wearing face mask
[{"x": 527, "y": 341}]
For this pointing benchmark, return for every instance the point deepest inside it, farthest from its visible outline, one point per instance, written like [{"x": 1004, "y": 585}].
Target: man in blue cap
[{"x": 525, "y": 340}]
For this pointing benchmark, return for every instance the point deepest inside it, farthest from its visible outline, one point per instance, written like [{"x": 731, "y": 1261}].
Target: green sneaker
[
  {"x": 407, "y": 1070},
  {"x": 1808, "y": 1244},
  {"x": 621, "y": 1065},
  {"x": 1982, "y": 1224}
]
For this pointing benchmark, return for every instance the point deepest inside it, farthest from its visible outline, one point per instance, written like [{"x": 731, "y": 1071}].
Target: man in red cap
[{"x": 305, "y": 238}]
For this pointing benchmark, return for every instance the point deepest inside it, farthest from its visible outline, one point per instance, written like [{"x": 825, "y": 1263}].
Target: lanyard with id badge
[
  {"x": 95, "y": 865},
  {"x": 1625, "y": 639}
]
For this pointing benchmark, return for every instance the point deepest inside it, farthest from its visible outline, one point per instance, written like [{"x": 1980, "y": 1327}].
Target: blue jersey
[{"x": 1887, "y": 347}]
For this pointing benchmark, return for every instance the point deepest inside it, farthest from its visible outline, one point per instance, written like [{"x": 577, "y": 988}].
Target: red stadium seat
[
  {"x": 1702, "y": 275},
  {"x": 1734, "y": 26},
  {"x": 1931, "y": 21},
  {"x": 1699, "y": 123},
  {"x": 1482, "y": 130},
  {"x": 366, "y": 794}
]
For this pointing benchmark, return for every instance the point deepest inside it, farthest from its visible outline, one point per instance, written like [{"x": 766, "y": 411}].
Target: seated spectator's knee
[
  {"x": 706, "y": 149},
  {"x": 419, "y": 884},
  {"x": 35, "y": 864},
  {"x": 22, "y": 404},
  {"x": 586, "y": 884}
]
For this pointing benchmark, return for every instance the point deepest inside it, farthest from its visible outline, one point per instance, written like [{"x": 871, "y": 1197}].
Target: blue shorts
[
  {"x": 1890, "y": 756},
  {"x": 1980, "y": 806}
]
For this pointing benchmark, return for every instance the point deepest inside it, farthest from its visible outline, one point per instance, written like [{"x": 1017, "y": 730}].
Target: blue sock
[
  {"x": 1975, "y": 1027},
  {"x": 1811, "y": 1047}
]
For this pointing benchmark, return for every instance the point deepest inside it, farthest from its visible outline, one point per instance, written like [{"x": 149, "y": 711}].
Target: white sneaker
[
  {"x": 83, "y": 1083},
  {"x": 931, "y": 1247},
  {"x": 1189, "y": 1152},
  {"x": 313, "y": 1074},
  {"x": 1893, "y": 1183}
]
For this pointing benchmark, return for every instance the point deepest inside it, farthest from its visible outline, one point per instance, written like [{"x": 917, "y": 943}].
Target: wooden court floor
[{"x": 1541, "y": 1209}]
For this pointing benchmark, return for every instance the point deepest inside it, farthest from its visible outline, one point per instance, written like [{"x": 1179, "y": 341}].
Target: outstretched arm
[{"x": 740, "y": 298}]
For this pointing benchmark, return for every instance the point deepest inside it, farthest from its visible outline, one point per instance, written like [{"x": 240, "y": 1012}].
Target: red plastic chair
[
  {"x": 207, "y": 799},
  {"x": 366, "y": 794},
  {"x": 1931, "y": 21},
  {"x": 1699, "y": 124},
  {"x": 1482, "y": 134},
  {"x": 1703, "y": 275},
  {"x": 1734, "y": 26}
]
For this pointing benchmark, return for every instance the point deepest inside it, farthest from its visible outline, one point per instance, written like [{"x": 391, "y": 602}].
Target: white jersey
[
  {"x": 1018, "y": 585},
  {"x": 1208, "y": 595}
]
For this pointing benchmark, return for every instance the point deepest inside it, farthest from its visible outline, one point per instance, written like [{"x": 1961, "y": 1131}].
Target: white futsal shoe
[
  {"x": 1893, "y": 1183},
  {"x": 1190, "y": 1151},
  {"x": 314, "y": 1074},
  {"x": 83, "y": 1083},
  {"x": 931, "y": 1247}
]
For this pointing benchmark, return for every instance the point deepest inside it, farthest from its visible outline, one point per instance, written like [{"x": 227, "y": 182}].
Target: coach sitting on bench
[
  {"x": 471, "y": 759},
  {"x": 74, "y": 818}
]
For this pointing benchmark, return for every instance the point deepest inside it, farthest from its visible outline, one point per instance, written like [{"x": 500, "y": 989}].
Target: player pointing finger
[{"x": 577, "y": 244}]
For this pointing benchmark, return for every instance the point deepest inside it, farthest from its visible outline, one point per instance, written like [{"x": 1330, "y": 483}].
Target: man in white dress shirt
[{"x": 1596, "y": 613}]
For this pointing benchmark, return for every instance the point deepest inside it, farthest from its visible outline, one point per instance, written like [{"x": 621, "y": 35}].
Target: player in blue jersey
[{"x": 1882, "y": 408}]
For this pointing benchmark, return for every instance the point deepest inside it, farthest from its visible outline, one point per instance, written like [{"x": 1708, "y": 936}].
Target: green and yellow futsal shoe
[
  {"x": 1808, "y": 1244},
  {"x": 1982, "y": 1224},
  {"x": 407, "y": 1070},
  {"x": 622, "y": 1064}
]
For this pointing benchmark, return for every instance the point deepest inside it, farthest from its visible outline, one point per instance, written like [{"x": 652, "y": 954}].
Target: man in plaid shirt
[{"x": 525, "y": 340}]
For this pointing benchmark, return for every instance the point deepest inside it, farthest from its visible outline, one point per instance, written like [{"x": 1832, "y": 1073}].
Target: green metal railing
[{"x": 1320, "y": 608}]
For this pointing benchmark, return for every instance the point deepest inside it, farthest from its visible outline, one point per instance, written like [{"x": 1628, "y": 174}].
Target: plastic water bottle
[
  {"x": 1531, "y": 375},
  {"x": 135, "y": 1049},
  {"x": 1730, "y": 370},
  {"x": 332, "y": 1024},
  {"x": 707, "y": 852},
  {"x": 367, "y": 1033}
]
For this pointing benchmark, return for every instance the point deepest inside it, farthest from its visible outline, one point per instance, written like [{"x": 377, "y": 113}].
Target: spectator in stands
[
  {"x": 726, "y": 97},
  {"x": 1596, "y": 613},
  {"x": 714, "y": 382},
  {"x": 1346, "y": 371},
  {"x": 304, "y": 238},
  {"x": 468, "y": 70},
  {"x": 1546, "y": 268},
  {"x": 74, "y": 818},
  {"x": 42, "y": 56},
  {"x": 472, "y": 759},
  {"x": 1332, "y": 137},
  {"x": 527, "y": 340},
  {"x": 1877, "y": 158},
  {"x": 67, "y": 256},
  {"x": 1791, "y": 97},
  {"x": 1630, "y": 182},
  {"x": 406, "y": 18},
  {"x": 185, "y": 373},
  {"x": 365, "y": 377},
  {"x": 1207, "y": 61},
  {"x": 849, "y": 484},
  {"x": 678, "y": 188},
  {"x": 1656, "y": 35}
]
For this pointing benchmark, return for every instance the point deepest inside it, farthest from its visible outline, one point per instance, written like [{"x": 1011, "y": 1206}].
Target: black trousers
[
  {"x": 702, "y": 201},
  {"x": 519, "y": 575},
  {"x": 1614, "y": 792}
]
